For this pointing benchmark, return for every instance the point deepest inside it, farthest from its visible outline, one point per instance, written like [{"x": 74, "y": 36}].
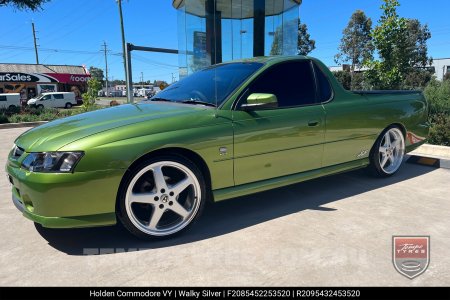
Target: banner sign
[{"x": 44, "y": 77}]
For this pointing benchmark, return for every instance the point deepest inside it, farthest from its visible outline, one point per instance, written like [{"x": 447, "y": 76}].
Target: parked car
[
  {"x": 54, "y": 100},
  {"x": 230, "y": 130},
  {"x": 10, "y": 101}
]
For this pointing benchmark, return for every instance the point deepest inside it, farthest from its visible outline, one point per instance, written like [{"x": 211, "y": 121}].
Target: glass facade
[{"x": 215, "y": 31}]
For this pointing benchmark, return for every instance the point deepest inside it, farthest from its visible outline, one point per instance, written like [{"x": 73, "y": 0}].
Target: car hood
[{"x": 56, "y": 134}]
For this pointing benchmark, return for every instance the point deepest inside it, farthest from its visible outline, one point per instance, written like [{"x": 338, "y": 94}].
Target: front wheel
[
  {"x": 40, "y": 106},
  {"x": 161, "y": 197},
  {"x": 387, "y": 155}
]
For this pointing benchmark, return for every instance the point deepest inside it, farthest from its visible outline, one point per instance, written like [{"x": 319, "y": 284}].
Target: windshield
[{"x": 209, "y": 86}]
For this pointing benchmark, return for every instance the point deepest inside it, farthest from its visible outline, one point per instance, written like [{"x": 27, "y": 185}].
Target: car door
[
  {"x": 284, "y": 138},
  {"x": 59, "y": 100}
]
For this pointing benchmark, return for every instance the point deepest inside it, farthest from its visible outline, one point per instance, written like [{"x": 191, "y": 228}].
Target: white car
[
  {"x": 9, "y": 100},
  {"x": 53, "y": 100}
]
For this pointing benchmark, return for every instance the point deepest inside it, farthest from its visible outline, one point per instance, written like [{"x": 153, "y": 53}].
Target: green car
[{"x": 230, "y": 130}]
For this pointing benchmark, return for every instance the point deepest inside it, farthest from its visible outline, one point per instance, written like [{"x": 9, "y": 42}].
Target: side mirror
[{"x": 260, "y": 100}]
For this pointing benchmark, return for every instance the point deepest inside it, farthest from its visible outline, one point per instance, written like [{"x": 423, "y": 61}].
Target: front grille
[{"x": 17, "y": 152}]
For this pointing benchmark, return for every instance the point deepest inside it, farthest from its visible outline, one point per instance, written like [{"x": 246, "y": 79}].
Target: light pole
[{"x": 119, "y": 3}]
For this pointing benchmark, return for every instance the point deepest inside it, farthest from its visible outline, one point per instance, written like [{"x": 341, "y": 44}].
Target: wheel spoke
[
  {"x": 396, "y": 143},
  {"x": 387, "y": 139},
  {"x": 141, "y": 198},
  {"x": 156, "y": 216},
  {"x": 384, "y": 160},
  {"x": 179, "y": 209},
  {"x": 382, "y": 149},
  {"x": 158, "y": 175},
  {"x": 391, "y": 159},
  {"x": 181, "y": 186}
]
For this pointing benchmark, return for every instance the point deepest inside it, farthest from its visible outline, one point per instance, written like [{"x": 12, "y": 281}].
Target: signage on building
[
  {"x": 44, "y": 77},
  {"x": 25, "y": 77}
]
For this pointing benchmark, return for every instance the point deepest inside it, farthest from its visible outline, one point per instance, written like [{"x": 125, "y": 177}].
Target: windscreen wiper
[
  {"x": 160, "y": 99},
  {"x": 199, "y": 102}
]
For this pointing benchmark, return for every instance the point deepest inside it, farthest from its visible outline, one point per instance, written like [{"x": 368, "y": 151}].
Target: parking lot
[{"x": 331, "y": 231}]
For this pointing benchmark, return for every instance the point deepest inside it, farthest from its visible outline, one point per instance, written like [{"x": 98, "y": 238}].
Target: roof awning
[{"x": 235, "y": 9}]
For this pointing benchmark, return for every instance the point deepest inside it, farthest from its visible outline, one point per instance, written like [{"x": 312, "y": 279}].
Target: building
[
  {"x": 441, "y": 67},
  {"x": 31, "y": 79},
  {"x": 215, "y": 31}
]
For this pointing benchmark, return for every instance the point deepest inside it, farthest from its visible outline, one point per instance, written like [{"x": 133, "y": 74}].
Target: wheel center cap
[{"x": 164, "y": 198}]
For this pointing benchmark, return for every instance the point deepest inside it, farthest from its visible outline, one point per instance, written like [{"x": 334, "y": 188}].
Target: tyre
[
  {"x": 11, "y": 107},
  {"x": 40, "y": 106},
  {"x": 68, "y": 105},
  {"x": 387, "y": 154},
  {"x": 161, "y": 197}
]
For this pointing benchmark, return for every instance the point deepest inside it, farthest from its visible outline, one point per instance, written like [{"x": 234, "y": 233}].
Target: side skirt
[{"x": 264, "y": 185}]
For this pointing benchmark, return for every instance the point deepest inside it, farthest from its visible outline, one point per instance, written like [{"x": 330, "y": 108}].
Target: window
[
  {"x": 58, "y": 96},
  {"x": 46, "y": 97},
  {"x": 212, "y": 85},
  {"x": 2, "y": 98},
  {"x": 292, "y": 83},
  {"x": 448, "y": 69},
  {"x": 324, "y": 90}
]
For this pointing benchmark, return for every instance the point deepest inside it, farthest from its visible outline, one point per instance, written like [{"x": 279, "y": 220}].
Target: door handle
[{"x": 313, "y": 123}]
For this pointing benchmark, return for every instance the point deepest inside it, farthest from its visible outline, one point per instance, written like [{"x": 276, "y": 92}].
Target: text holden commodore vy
[{"x": 229, "y": 130}]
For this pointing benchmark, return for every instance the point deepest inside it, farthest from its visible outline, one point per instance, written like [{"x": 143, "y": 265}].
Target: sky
[{"x": 72, "y": 31}]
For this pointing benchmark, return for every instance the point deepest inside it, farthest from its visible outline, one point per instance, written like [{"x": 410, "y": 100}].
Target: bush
[
  {"x": 344, "y": 78},
  {"x": 438, "y": 96},
  {"x": 31, "y": 114}
]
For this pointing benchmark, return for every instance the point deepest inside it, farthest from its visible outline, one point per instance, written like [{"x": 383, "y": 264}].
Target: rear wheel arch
[{"x": 398, "y": 125}]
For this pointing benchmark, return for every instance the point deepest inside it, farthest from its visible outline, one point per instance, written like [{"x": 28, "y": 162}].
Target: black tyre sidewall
[{"x": 121, "y": 205}]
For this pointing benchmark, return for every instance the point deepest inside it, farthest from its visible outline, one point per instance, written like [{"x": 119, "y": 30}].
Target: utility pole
[
  {"x": 142, "y": 79},
  {"x": 173, "y": 78},
  {"x": 129, "y": 88},
  {"x": 35, "y": 44},
  {"x": 105, "y": 50}
]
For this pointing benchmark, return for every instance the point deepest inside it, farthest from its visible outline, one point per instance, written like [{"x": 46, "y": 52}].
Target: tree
[
  {"x": 389, "y": 39},
  {"x": 94, "y": 86},
  {"x": 304, "y": 42},
  {"x": 97, "y": 74},
  {"x": 356, "y": 44},
  {"x": 24, "y": 4},
  {"x": 401, "y": 45}
]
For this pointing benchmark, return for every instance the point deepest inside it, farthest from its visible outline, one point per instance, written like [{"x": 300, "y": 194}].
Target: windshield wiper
[
  {"x": 199, "y": 102},
  {"x": 160, "y": 99}
]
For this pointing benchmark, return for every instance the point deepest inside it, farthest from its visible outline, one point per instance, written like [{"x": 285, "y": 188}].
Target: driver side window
[{"x": 292, "y": 83}]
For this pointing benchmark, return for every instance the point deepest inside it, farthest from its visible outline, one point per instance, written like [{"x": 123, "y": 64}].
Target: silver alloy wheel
[
  {"x": 392, "y": 149},
  {"x": 179, "y": 197}
]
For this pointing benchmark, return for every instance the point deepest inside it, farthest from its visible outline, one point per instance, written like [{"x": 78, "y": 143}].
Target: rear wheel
[
  {"x": 387, "y": 155},
  {"x": 161, "y": 197},
  {"x": 12, "y": 107},
  {"x": 68, "y": 105}
]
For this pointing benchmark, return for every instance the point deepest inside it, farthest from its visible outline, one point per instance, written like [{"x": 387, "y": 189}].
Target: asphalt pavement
[{"x": 331, "y": 231}]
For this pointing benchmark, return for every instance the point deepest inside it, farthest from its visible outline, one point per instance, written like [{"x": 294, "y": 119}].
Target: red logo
[{"x": 411, "y": 254}]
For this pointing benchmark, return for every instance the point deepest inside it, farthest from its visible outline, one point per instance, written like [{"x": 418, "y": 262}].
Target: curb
[{"x": 23, "y": 124}]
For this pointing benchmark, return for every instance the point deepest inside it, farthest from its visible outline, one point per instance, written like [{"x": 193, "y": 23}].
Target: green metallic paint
[{"x": 264, "y": 148}]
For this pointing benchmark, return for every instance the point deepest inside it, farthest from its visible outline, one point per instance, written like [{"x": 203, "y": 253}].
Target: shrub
[
  {"x": 438, "y": 96},
  {"x": 114, "y": 103}
]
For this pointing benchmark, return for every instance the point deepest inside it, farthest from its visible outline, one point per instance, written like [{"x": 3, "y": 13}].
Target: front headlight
[{"x": 52, "y": 162}]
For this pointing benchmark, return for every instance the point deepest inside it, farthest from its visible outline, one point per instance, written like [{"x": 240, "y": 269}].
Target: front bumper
[{"x": 81, "y": 199}]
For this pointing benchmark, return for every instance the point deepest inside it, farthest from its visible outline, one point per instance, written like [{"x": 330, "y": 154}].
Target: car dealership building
[
  {"x": 215, "y": 31},
  {"x": 31, "y": 79}
]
